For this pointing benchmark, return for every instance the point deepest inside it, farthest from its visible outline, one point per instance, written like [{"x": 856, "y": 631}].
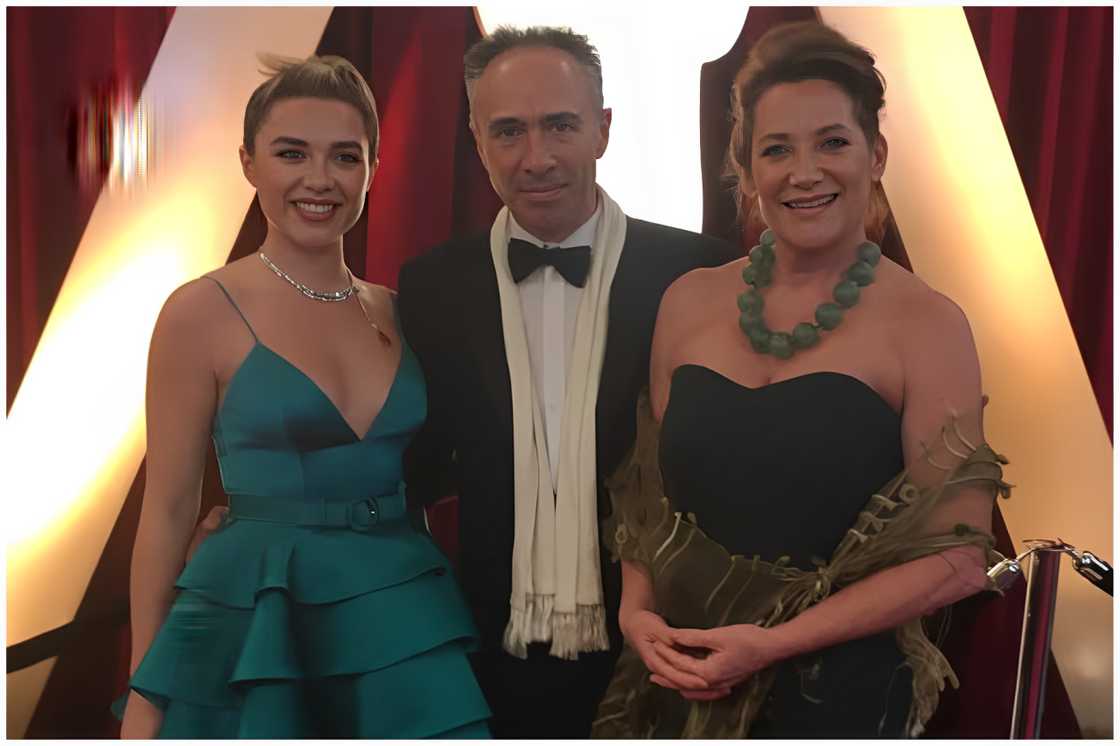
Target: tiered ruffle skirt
[{"x": 290, "y": 632}]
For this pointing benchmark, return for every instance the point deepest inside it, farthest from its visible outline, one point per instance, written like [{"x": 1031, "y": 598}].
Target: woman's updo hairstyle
[
  {"x": 790, "y": 53},
  {"x": 328, "y": 77}
]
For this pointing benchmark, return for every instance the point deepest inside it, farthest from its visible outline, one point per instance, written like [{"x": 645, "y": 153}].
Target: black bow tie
[{"x": 572, "y": 263}]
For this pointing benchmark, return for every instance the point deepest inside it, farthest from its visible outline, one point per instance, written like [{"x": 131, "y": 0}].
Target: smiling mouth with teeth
[
  {"x": 321, "y": 209},
  {"x": 815, "y": 203}
]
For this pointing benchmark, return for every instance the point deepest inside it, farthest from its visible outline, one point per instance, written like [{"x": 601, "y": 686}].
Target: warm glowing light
[
  {"x": 970, "y": 233},
  {"x": 134, "y": 144},
  {"x": 90, "y": 368},
  {"x": 75, "y": 432},
  {"x": 651, "y": 80}
]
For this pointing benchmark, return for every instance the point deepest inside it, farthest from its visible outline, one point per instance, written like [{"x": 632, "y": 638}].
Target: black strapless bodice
[
  {"x": 785, "y": 470},
  {"x": 779, "y": 470}
]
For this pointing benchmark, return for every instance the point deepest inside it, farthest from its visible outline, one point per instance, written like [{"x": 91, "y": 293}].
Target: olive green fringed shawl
[{"x": 698, "y": 584}]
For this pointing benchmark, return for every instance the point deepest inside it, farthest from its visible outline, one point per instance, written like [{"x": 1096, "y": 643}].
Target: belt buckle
[{"x": 364, "y": 514}]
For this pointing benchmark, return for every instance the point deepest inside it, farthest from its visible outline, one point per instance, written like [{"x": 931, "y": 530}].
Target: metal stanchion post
[
  {"x": 1038, "y": 619},
  {"x": 1034, "y": 649}
]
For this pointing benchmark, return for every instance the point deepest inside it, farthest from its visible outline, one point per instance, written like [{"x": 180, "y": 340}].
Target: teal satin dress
[{"x": 316, "y": 610}]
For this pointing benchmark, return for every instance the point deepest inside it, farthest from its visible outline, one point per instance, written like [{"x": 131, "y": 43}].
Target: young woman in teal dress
[{"x": 315, "y": 610}]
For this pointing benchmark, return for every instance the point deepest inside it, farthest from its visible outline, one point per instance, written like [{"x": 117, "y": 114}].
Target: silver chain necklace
[{"x": 332, "y": 296}]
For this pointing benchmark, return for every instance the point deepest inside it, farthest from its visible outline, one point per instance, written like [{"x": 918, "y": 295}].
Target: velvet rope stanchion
[{"x": 1038, "y": 620}]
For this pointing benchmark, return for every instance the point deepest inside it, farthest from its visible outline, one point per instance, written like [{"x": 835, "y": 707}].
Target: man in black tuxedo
[{"x": 539, "y": 123}]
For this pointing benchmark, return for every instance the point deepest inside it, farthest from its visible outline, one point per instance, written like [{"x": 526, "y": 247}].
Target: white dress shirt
[{"x": 550, "y": 307}]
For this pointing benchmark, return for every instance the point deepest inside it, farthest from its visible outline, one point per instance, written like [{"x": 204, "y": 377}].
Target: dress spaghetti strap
[{"x": 234, "y": 304}]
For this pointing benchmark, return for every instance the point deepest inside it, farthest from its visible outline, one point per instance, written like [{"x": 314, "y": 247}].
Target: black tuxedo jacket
[{"x": 450, "y": 316}]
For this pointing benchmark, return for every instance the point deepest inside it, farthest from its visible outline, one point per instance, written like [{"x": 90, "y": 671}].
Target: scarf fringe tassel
[{"x": 571, "y": 632}]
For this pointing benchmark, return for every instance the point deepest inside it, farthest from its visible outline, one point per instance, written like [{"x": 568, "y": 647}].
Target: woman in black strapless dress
[{"x": 766, "y": 591}]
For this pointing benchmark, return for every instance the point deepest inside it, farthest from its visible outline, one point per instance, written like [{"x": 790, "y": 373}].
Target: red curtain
[
  {"x": 431, "y": 184},
  {"x": 59, "y": 60},
  {"x": 1050, "y": 70}
]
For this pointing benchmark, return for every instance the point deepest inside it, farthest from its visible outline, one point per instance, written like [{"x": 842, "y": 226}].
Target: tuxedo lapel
[
  {"x": 623, "y": 354},
  {"x": 483, "y": 314}
]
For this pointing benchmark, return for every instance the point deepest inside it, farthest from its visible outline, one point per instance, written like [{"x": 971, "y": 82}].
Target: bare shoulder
[
  {"x": 696, "y": 298},
  {"x": 380, "y": 297},
  {"x": 191, "y": 308},
  {"x": 938, "y": 353},
  {"x": 699, "y": 287},
  {"x": 197, "y": 311},
  {"x": 373, "y": 289},
  {"x": 688, "y": 304},
  {"x": 188, "y": 323},
  {"x": 921, "y": 315},
  {"x": 237, "y": 273}
]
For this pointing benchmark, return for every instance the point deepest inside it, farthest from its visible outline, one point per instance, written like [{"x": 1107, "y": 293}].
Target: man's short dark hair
[{"x": 505, "y": 38}]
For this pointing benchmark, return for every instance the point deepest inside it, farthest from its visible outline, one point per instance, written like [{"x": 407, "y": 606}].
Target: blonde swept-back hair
[
  {"x": 327, "y": 77},
  {"x": 792, "y": 52}
]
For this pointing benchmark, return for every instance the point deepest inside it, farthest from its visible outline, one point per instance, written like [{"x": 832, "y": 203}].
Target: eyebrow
[
  {"x": 558, "y": 117},
  {"x": 501, "y": 123},
  {"x": 341, "y": 145},
  {"x": 783, "y": 137}
]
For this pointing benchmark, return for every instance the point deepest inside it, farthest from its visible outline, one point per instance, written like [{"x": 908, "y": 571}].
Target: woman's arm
[
  {"x": 677, "y": 316},
  {"x": 877, "y": 603},
  {"x": 637, "y": 592},
  {"x": 644, "y": 629},
  {"x": 942, "y": 380},
  {"x": 180, "y": 403}
]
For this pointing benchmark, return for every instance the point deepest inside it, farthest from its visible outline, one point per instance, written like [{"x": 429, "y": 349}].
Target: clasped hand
[{"x": 702, "y": 664}]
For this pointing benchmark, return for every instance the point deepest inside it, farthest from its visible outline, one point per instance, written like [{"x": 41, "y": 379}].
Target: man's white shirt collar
[{"x": 582, "y": 236}]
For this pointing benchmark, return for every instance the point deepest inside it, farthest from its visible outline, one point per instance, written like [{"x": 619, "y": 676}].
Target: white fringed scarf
[{"x": 557, "y": 589}]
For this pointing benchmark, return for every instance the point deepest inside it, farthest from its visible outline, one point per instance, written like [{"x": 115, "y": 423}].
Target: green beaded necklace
[{"x": 759, "y": 272}]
